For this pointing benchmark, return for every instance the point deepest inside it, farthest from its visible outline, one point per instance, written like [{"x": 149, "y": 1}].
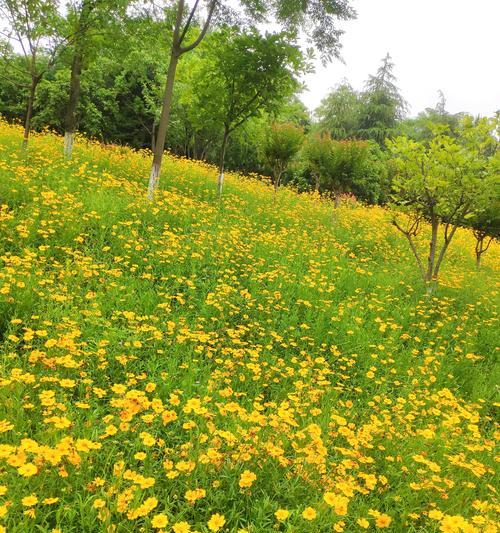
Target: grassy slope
[{"x": 279, "y": 338}]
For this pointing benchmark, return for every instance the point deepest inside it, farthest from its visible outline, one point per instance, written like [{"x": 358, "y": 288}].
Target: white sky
[{"x": 452, "y": 45}]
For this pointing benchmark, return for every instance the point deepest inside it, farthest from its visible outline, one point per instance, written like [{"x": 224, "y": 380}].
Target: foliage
[
  {"x": 244, "y": 74},
  {"x": 383, "y": 105},
  {"x": 316, "y": 18},
  {"x": 353, "y": 167},
  {"x": 485, "y": 222},
  {"x": 339, "y": 112},
  {"x": 282, "y": 145},
  {"x": 443, "y": 181},
  {"x": 33, "y": 26},
  {"x": 423, "y": 127},
  {"x": 318, "y": 156}
]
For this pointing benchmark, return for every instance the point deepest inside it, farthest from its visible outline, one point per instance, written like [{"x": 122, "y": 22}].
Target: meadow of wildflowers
[{"x": 253, "y": 366}]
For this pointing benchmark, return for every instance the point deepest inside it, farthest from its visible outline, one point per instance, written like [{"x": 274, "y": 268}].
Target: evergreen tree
[
  {"x": 383, "y": 105},
  {"x": 339, "y": 113}
]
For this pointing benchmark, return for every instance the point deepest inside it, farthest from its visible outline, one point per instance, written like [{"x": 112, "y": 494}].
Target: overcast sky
[{"x": 452, "y": 45}]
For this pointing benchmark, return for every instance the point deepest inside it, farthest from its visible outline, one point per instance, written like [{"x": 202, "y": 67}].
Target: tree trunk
[
  {"x": 29, "y": 110},
  {"x": 76, "y": 71},
  {"x": 278, "y": 173},
  {"x": 316, "y": 183},
  {"x": 74, "y": 96},
  {"x": 432, "y": 248},
  {"x": 277, "y": 178},
  {"x": 161, "y": 136},
  {"x": 220, "y": 179},
  {"x": 447, "y": 240},
  {"x": 163, "y": 125},
  {"x": 429, "y": 275}
]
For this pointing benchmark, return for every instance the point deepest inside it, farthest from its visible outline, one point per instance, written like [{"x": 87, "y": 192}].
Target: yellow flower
[
  {"x": 282, "y": 514},
  {"x": 147, "y": 439},
  {"x": 27, "y": 470},
  {"x": 30, "y": 500},
  {"x": 363, "y": 522},
  {"x": 193, "y": 495},
  {"x": 181, "y": 527},
  {"x": 159, "y": 521},
  {"x": 339, "y": 503},
  {"x": 216, "y": 522},
  {"x": 309, "y": 513},
  {"x": 98, "y": 503},
  {"x": 383, "y": 521},
  {"x": 5, "y": 425},
  {"x": 246, "y": 479}
]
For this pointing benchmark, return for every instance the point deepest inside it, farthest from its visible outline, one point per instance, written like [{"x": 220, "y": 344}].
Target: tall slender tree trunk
[
  {"x": 177, "y": 51},
  {"x": 220, "y": 179},
  {"x": 163, "y": 125},
  {"x": 153, "y": 133},
  {"x": 76, "y": 71},
  {"x": 161, "y": 136},
  {"x": 429, "y": 276},
  {"x": 316, "y": 183},
  {"x": 29, "y": 110},
  {"x": 74, "y": 96}
]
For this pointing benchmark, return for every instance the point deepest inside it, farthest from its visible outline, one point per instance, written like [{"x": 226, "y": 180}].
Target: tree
[
  {"x": 423, "y": 126},
  {"x": 32, "y": 26},
  {"x": 382, "y": 104},
  {"x": 181, "y": 29},
  {"x": 485, "y": 223},
  {"x": 282, "y": 145},
  {"x": 318, "y": 156},
  {"x": 486, "y": 228},
  {"x": 362, "y": 170},
  {"x": 84, "y": 19},
  {"x": 441, "y": 182},
  {"x": 339, "y": 113},
  {"x": 243, "y": 75},
  {"x": 319, "y": 16}
]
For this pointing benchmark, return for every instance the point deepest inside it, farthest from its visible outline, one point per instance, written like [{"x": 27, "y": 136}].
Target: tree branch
[
  {"x": 408, "y": 235},
  {"x": 184, "y": 49}
]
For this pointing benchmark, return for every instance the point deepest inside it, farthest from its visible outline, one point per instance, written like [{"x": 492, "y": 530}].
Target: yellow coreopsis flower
[
  {"x": 159, "y": 521},
  {"x": 282, "y": 514},
  {"x": 216, "y": 522},
  {"x": 30, "y": 500},
  {"x": 383, "y": 521},
  {"x": 246, "y": 479},
  {"x": 309, "y": 513}
]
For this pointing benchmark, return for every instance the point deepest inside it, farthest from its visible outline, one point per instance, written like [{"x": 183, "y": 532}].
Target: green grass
[{"x": 300, "y": 334}]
